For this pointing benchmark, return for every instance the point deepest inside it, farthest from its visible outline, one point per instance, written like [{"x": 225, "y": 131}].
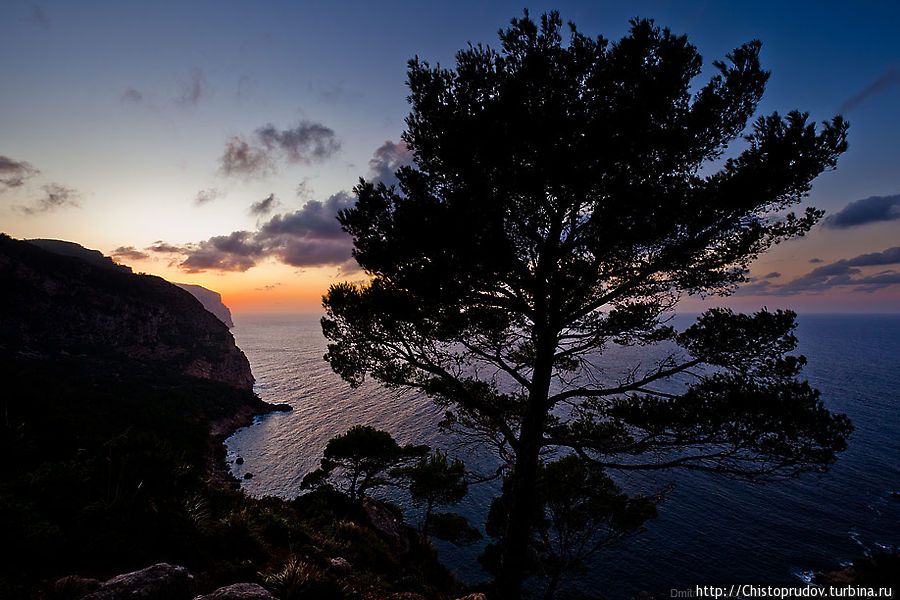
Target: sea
[{"x": 709, "y": 530}]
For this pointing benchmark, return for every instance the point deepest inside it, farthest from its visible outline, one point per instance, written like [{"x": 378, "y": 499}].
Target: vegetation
[
  {"x": 564, "y": 197},
  {"x": 362, "y": 458},
  {"x": 109, "y": 467}
]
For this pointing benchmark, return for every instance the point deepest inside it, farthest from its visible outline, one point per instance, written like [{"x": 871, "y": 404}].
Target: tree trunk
[{"x": 517, "y": 539}]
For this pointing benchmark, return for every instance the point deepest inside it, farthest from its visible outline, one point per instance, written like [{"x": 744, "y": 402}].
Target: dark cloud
[
  {"x": 315, "y": 220},
  {"x": 264, "y": 206},
  {"x": 55, "y": 196},
  {"x": 14, "y": 173},
  {"x": 162, "y": 247},
  {"x": 132, "y": 96},
  {"x": 845, "y": 272},
  {"x": 891, "y": 256},
  {"x": 772, "y": 275},
  {"x": 885, "y": 81},
  {"x": 873, "y": 209},
  {"x": 39, "y": 17},
  {"x": 307, "y": 142},
  {"x": 816, "y": 260},
  {"x": 129, "y": 253},
  {"x": 240, "y": 158},
  {"x": 387, "y": 159},
  {"x": 190, "y": 92},
  {"x": 206, "y": 196},
  {"x": 308, "y": 237}
]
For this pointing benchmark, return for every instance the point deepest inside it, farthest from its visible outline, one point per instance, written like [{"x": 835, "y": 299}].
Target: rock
[
  {"x": 386, "y": 522},
  {"x": 239, "y": 591},
  {"x": 341, "y": 565},
  {"x": 248, "y": 475},
  {"x": 74, "y": 586},
  {"x": 478, "y": 596},
  {"x": 211, "y": 301},
  {"x": 161, "y": 581},
  {"x": 239, "y": 460}
]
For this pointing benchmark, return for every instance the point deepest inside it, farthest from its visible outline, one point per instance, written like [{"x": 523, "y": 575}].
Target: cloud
[
  {"x": 816, "y": 260},
  {"x": 56, "y": 196},
  {"x": 129, "y": 253},
  {"x": 39, "y": 17},
  {"x": 269, "y": 287},
  {"x": 844, "y": 272},
  {"x": 14, "y": 173},
  {"x": 190, "y": 92},
  {"x": 772, "y": 275},
  {"x": 387, "y": 159},
  {"x": 240, "y": 158},
  {"x": 264, "y": 206},
  {"x": 208, "y": 195},
  {"x": 165, "y": 248},
  {"x": 132, "y": 96},
  {"x": 885, "y": 81},
  {"x": 873, "y": 209},
  {"x": 306, "y": 143},
  {"x": 308, "y": 237}
]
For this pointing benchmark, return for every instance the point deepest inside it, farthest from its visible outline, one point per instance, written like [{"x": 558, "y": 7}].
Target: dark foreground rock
[
  {"x": 161, "y": 581},
  {"x": 387, "y": 522},
  {"x": 239, "y": 591}
]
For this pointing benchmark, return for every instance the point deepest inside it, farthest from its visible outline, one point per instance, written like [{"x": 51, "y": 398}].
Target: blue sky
[{"x": 129, "y": 126}]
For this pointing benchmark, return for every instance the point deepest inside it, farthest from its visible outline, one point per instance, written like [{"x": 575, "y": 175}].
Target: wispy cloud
[
  {"x": 132, "y": 96},
  {"x": 884, "y": 82},
  {"x": 308, "y": 142},
  {"x": 263, "y": 207},
  {"x": 240, "y": 158},
  {"x": 14, "y": 173},
  {"x": 873, "y": 209},
  {"x": 55, "y": 197},
  {"x": 191, "y": 91},
  {"x": 841, "y": 273},
  {"x": 208, "y": 195},
  {"x": 39, "y": 17}
]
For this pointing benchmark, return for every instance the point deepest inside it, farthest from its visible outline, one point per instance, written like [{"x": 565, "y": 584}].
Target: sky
[{"x": 213, "y": 142}]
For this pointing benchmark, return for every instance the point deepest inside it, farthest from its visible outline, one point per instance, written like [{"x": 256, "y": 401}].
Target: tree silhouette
[
  {"x": 564, "y": 197},
  {"x": 434, "y": 480},
  {"x": 362, "y": 458}
]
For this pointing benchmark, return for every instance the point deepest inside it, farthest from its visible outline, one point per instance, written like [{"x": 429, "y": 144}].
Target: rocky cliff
[
  {"x": 211, "y": 301},
  {"x": 52, "y": 304}
]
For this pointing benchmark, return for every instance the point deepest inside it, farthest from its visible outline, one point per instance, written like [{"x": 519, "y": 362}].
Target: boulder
[
  {"x": 339, "y": 564},
  {"x": 387, "y": 522},
  {"x": 239, "y": 591},
  {"x": 161, "y": 581}
]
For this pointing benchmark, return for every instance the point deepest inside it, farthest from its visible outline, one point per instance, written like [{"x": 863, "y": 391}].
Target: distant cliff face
[
  {"x": 54, "y": 304},
  {"x": 211, "y": 301}
]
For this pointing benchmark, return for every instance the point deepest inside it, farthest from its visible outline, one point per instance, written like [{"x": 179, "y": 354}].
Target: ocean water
[{"x": 709, "y": 530}]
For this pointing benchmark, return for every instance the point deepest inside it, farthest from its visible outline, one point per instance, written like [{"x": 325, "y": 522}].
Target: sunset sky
[{"x": 213, "y": 142}]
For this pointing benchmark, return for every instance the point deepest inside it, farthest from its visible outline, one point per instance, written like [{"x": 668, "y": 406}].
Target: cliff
[
  {"x": 211, "y": 301},
  {"x": 54, "y": 304}
]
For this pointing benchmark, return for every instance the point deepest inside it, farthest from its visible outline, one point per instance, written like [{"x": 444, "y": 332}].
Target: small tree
[
  {"x": 362, "y": 458},
  {"x": 564, "y": 197},
  {"x": 580, "y": 511},
  {"x": 435, "y": 481}
]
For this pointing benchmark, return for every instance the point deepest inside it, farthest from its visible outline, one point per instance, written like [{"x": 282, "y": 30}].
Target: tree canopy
[{"x": 564, "y": 196}]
